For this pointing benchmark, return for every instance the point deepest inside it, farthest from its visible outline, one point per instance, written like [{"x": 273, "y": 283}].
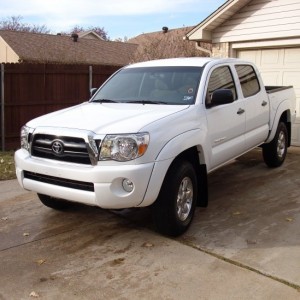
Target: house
[
  {"x": 27, "y": 47},
  {"x": 167, "y": 43},
  {"x": 266, "y": 32}
]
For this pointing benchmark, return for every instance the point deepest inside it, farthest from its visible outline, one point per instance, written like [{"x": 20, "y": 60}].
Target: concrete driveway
[{"x": 245, "y": 245}]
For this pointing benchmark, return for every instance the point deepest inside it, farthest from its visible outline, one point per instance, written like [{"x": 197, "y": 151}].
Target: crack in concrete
[{"x": 241, "y": 265}]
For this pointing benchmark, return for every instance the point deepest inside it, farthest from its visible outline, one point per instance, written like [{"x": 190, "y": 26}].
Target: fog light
[{"x": 128, "y": 185}]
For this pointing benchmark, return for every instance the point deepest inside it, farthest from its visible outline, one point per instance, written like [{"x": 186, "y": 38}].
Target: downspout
[
  {"x": 90, "y": 78},
  {"x": 198, "y": 47}
]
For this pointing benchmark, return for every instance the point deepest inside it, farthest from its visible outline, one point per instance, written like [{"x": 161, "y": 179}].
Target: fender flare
[
  {"x": 181, "y": 143},
  {"x": 283, "y": 107}
]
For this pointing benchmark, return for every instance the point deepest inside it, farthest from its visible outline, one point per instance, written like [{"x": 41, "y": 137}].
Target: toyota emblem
[{"x": 57, "y": 147}]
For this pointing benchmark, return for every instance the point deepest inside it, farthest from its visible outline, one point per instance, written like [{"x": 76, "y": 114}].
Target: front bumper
[{"x": 106, "y": 180}]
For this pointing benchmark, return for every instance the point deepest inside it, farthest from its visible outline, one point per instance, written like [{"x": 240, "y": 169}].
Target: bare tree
[
  {"x": 124, "y": 39},
  {"x": 166, "y": 44},
  {"x": 15, "y": 23}
]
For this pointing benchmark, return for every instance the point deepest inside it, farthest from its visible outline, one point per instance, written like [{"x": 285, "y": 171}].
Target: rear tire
[
  {"x": 274, "y": 153},
  {"x": 174, "y": 208},
  {"x": 55, "y": 203}
]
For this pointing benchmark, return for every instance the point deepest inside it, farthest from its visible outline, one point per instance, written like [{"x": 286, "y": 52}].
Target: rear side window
[
  {"x": 220, "y": 78},
  {"x": 248, "y": 79}
]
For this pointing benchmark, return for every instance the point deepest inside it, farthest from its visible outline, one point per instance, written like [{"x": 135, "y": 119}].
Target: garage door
[{"x": 279, "y": 67}]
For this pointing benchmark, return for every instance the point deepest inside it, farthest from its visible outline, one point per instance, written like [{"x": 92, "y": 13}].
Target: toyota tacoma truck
[{"x": 150, "y": 135}]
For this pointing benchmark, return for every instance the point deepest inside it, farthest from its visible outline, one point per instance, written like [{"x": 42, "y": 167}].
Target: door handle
[
  {"x": 240, "y": 111},
  {"x": 264, "y": 103}
]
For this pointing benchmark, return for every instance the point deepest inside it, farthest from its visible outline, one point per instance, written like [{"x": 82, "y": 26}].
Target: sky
[{"x": 120, "y": 18}]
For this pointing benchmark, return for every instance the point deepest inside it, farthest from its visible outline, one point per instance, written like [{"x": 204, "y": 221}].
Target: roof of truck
[{"x": 181, "y": 61}]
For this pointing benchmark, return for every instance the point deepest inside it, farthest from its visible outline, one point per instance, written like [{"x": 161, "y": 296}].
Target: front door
[{"x": 226, "y": 123}]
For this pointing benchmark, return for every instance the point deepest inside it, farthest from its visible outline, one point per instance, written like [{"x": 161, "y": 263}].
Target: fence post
[
  {"x": 2, "y": 110},
  {"x": 90, "y": 78}
]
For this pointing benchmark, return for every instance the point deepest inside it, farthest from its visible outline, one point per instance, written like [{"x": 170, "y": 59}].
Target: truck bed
[{"x": 273, "y": 89}]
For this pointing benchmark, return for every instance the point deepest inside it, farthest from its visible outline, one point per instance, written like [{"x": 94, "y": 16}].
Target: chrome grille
[{"x": 61, "y": 148}]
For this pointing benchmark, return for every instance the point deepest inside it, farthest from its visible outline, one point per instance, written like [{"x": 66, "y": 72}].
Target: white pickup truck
[{"x": 151, "y": 134}]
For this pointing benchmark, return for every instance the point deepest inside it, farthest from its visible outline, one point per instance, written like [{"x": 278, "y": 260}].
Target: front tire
[
  {"x": 57, "y": 204},
  {"x": 274, "y": 153},
  {"x": 174, "y": 208}
]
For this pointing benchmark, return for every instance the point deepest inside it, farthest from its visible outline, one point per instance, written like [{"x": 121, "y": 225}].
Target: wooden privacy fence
[{"x": 31, "y": 90}]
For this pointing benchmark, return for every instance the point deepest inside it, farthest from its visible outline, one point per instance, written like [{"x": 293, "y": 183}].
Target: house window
[
  {"x": 220, "y": 78},
  {"x": 248, "y": 79}
]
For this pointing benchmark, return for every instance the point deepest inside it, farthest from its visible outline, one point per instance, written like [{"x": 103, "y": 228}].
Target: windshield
[{"x": 152, "y": 85}]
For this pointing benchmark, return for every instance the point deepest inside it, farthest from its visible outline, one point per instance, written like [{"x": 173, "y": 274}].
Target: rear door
[
  {"x": 256, "y": 106},
  {"x": 226, "y": 123},
  {"x": 279, "y": 67}
]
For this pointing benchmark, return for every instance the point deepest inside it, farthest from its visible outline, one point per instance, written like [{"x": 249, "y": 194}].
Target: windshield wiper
[
  {"x": 147, "y": 102},
  {"x": 105, "y": 101}
]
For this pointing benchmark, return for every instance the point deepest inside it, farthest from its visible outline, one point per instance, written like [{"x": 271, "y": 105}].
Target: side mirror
[
  {"x": 222, "y": 96},
  {"x": 93, "y": 91}
]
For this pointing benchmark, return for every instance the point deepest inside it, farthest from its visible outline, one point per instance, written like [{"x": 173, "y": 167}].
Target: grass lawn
[{"x": 7, "y": 165}]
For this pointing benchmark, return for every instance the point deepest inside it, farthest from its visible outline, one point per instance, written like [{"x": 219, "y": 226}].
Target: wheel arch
[
  {"x": 183, "y": 146},
  {"x": 195, "y": 156},
  {"x": 285, "y": 117}
]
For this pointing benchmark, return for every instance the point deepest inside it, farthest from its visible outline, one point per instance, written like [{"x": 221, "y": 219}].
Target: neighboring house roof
[
  {"x": 42, "y": 48},
  {"x": 90, "y": 35},
  {"x": 166, "y": 44},
  {"x": 202, "y": 32}
]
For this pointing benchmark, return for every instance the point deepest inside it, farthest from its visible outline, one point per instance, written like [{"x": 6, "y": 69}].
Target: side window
[
  {"x": 220, "y": 78},
  {"x": 248, "y": 79}
]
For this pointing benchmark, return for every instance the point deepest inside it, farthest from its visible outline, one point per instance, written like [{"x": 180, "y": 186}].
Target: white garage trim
[{"x": 267, "y": 44}]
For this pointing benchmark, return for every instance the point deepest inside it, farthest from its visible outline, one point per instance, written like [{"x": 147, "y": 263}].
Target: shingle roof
[{"x": 35, "y": 47}]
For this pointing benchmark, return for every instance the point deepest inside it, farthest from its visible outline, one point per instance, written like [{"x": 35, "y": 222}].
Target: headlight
[
  {"x": 124, "y": 147},
  {"x": 25, "y": 137}
]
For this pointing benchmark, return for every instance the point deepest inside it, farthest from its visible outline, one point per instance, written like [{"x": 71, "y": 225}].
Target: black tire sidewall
[
  {"x": 165, "y": 208},
  {"x": 270, "y": 154}
]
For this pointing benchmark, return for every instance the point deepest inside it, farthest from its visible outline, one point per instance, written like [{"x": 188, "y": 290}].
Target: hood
[{"x": 106, "y": 118}]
